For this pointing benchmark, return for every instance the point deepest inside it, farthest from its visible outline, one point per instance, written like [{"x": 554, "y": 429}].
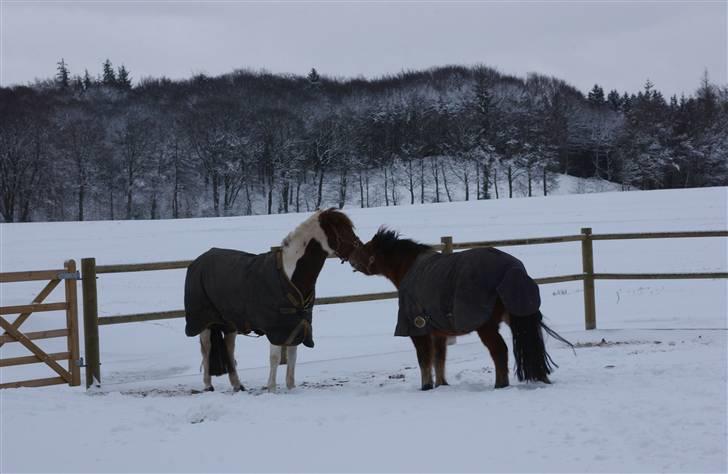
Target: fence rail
[
  {"x": 559, "y": 239},
  {"x": 90, "y": 271}
]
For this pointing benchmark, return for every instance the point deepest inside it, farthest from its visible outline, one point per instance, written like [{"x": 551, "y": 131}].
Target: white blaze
[{"x": 294, "y": 245}]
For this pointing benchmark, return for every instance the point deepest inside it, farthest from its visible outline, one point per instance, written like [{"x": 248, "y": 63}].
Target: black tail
[
  {"x": 219, "y": 357},
  {"x": 533, "y": 363}
]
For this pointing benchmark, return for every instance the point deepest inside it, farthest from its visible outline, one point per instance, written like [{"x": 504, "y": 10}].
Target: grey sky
[{"x": 618, "y": 44}]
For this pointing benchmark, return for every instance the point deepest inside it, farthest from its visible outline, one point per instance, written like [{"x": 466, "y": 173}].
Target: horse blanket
[
  {"x": 458, "y": 292},
  {"x": 244, "y": 292}
]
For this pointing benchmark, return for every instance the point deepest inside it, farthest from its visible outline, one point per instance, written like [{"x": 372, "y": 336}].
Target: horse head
[
  {"x": 339, "y": 231},
  {"x": 386, "y": 254}
]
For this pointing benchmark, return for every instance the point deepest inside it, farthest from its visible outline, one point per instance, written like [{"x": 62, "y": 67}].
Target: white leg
[
  {"x": 291, "y": 368},
  {"x": 232, "y": 370},
  {"x": 205, "y": 346},
  {"x": 275, "y": 360}
]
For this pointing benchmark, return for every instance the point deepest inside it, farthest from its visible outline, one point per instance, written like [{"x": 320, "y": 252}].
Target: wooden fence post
[
  {"x": 587, "y": 263},
  {"x": 284, "y": 352},
  {"x": 447, "y": 250},
  {"x": 74, "y": 357},
  {"x": 446, "y": 244},
  {"x": 90, "y": 321}
]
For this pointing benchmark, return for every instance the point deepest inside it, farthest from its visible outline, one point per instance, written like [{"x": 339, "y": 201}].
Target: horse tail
[
  {"x": 219, "y": 358},
  {"x": 533, "y": 363}
]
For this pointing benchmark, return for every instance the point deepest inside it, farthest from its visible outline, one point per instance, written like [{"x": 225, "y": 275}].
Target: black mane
[{"x": 387, "y": 242}]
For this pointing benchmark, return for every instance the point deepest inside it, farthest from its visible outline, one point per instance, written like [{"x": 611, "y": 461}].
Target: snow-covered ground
[{"x": 651, "y": 397}]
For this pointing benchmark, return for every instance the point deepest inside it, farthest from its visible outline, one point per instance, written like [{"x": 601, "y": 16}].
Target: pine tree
[
  {"x": 483, "y": 104},
  {"x": 313, "y": 76},
  {"x": 77, "y": 83},
  {"x": 673, "y": 103},
  {"x": 122, "y": 79},
  {"x": 707, "y": 100},
  {"x": 87, "y": 81},
  {"x": 626, "y": 102},
  {"x": 649, "y": 85},
  {"x": 483, "y": 130},
  {"x": 596, "y": 96},
  {"x": 109, "y": 78},
  {"x": 63, "y": 75},
  {"x": 614, "y": 100}
]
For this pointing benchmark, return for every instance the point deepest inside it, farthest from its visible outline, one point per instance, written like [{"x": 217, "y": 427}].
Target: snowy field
[{"x": 650, "y": 398}]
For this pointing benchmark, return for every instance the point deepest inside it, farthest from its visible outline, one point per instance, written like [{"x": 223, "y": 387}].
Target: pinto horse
[
  {"x": 229, "y": 292},
  {"x": 451, "y": 295}
]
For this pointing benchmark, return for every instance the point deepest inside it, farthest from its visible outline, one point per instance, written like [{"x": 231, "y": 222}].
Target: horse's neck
[
  {"x": 308, "y": 268},
  {"x": 399, "y": 268}
]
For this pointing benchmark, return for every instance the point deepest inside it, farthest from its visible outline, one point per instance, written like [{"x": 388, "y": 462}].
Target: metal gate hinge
[
  {"x": 69, "y": 276},
  {"x": 80, "y": 363}
]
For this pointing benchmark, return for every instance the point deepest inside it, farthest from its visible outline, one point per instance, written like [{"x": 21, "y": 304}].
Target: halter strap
[{"x": 355, "y": 244}]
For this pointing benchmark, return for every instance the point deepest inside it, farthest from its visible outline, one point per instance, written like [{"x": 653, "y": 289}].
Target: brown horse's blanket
[
  {"x": 245, "y": 292},
  {"x": 458, "y": 292}
]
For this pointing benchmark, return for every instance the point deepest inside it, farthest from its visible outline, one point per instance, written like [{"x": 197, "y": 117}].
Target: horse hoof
[
  {"x": 501, "y": 383},
  {"x": 209, "y": 389},
  {"x": 427, "y": 386},
  {"x": 239, "y": 388}
]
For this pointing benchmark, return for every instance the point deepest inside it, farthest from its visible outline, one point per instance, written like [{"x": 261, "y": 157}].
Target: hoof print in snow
[
  {"x": 608, "y": 366},
  {"x": 396, "y": 376},
  {"x": 334, "y": 382}
]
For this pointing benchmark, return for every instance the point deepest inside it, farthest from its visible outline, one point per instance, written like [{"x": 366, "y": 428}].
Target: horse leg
[
  {"x": 498, "y": 351},
  {"x": 205, "y": 346},
  {"x": 440, "y": 346},
  {"x": 275, "y": 360},
  {"x": 233, "y": 370},
  {"x": 423, "y": 346},
  {"x": 291, "y": 367}
]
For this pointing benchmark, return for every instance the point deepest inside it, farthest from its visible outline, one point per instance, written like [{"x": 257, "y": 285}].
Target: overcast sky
[{"x": 617, "y": 44}]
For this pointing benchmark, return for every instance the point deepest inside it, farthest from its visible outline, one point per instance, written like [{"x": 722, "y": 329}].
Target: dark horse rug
[
  {"x": 458, "y": 292},
  {"x": 244, "y": 292}
]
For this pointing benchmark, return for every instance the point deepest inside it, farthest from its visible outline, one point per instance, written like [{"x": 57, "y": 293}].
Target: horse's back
[
  {"x": 459, "y": 292},
  {"x": 211, "y": 284},
  {"x": 488, "y": 274}
]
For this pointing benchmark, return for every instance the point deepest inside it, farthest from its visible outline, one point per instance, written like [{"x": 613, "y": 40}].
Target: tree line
[{"x": 77, "y": 147}]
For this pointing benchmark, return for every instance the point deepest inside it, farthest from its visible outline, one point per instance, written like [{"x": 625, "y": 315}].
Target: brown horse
[
  {"x": 229, "y": 292},
  {"x": 451, "y": 295}
]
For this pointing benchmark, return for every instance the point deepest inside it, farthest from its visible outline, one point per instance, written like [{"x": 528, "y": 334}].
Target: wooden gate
[{"x": 13, "y": 334}]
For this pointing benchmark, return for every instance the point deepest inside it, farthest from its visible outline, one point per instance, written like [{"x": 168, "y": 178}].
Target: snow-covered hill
[
  {"x": 652, "y": 397},
  {"x": 452, "y": 188}
]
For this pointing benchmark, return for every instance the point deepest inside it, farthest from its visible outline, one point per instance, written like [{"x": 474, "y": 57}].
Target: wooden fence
[
  {"x": 90, "y": 271},
  {"x": 13, "y": 333}
]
